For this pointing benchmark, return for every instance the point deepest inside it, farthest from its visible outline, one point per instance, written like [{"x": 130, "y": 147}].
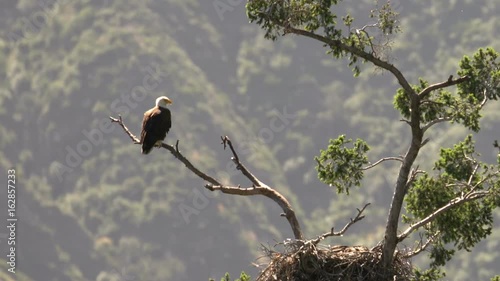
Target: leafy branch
[
  {"x": 340, "y": 166},
  {"x": 478, "y": 82}
]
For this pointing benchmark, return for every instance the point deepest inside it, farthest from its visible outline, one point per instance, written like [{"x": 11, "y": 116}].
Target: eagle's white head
[{"x": 163, "y": 101}]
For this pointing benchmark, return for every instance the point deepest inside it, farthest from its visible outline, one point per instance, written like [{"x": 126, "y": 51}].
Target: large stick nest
[{"x": 305, "y": 261}]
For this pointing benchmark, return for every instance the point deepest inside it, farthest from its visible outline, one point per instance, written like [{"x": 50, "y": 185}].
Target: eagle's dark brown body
[{"x": 155, "y": 126}]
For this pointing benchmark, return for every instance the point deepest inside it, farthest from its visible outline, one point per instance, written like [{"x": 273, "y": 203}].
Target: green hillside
[{"x": 91, "y": 207}]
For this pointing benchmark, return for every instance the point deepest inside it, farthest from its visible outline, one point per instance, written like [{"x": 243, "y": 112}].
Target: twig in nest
[{"x": 358, "y": 217}]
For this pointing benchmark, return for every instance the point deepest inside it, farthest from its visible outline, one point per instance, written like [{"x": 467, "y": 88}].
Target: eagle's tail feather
[{"x": 146, "y": 147}]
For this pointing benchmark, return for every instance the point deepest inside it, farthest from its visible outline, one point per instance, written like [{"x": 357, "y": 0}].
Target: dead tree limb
[
  {"x": 174, "y": 150},
  {"x": 258, "y": 188},
  {"x": 358, "y": 217}
]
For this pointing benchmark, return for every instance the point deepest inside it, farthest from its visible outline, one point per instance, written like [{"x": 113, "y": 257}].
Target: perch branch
[
  {"x": 259, "y": 188},
  {"x": 174, "y": 150},
  {"x": 380, "y": 161},
  {"x": 413, "y": 176},
  {"x": 120, "y": 122},
  {"x": 447, "y": 83},
  {"x": 358, "y": 217}
]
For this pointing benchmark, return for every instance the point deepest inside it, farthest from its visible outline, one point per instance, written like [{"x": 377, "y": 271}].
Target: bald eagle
[{"x": 156, "y": 124}]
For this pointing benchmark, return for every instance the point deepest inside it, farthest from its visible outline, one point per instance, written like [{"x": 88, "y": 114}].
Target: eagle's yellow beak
[{"x": 168, "y": 101}]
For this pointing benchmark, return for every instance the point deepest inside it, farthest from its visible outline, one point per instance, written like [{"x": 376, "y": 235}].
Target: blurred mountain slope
[{"x": 91, "y": 207}]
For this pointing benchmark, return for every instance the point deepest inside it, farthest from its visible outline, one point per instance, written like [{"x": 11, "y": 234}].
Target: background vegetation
[{"x": 113, "y": 214}]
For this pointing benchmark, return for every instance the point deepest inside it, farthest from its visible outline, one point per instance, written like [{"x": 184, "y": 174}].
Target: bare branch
[
  {"x": 479, "y": 183},
  {"x": 120, "y": 122},
  {"x": 358, "y": 34},
  {"x": 380, "y": 161},
  {"x": 485, "y": 99},
  {"x": 447, "y": 83},
  {"x": 174, "y": 150},
  {"x": 422, "y": 246},
  {"x": 358, "y": 217},
  {"x": 259, "y": 188},
  {"x": 434, "y": 122},
  {"x": 368, "y": 25},
  {"x": 406, "y": 121},
  {"x": 269, "y": 193},
  {"x": 239, "y": 165}
]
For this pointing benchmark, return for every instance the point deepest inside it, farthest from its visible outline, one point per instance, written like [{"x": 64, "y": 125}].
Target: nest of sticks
[{"x": 305, "y": 261}]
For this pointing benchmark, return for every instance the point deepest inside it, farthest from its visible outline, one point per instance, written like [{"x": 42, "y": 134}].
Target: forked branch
[
  {"x": 258, "y": 188},
  {"x": 174, "y": 150},
  {"x": 239, "y": 166},
  {"x": 400, "y": 159},
  {"x": 453, "y": 203},
  {"x": 358, "y": 217},
  {"x": 441, "y": 85},
  {"x": 421, "y": 246}
]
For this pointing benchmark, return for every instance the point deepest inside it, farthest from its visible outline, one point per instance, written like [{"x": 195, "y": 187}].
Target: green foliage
[
  {"x": 431, "y": 274},
  {"x": 243, "y": 277},
  {"x": 275, "y": 17},
  {"x": 402, "y": 100},
  {"x": 483, "y": 84},
  {"x": 483, "y": 70},
  {"x": 496, "y": 278},
  {"x": 402, "y": 103},
  {"x": 459, "y": 173},
  {"x": 340, "y": 166},
  {"x": 455, "y": 161},
  {"x": 387, "y": 18}
]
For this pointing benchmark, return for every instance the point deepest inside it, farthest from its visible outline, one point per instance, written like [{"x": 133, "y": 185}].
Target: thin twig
[
  {"x": 434, "y": 122},
  {"x": 406, "y": 121},
  {"x": 445, "y": 84},
  {"x": 476, "y": 167},
  {"x": 382, "y": 160},
  {"x": 479, "y": 183},
  {"x": 422, "y": 246},
  {"x": 259, "y": 188},
  {"x": 413, "y": 174},
  {"x": 239, "y": 165},
  {"x": 120, "y": 122},
  {"x": 358, "y": 217},
  {"x": 174, "y": 150}
]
